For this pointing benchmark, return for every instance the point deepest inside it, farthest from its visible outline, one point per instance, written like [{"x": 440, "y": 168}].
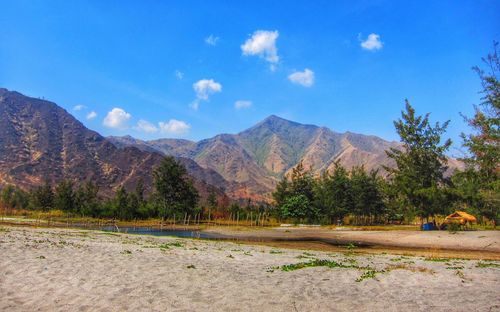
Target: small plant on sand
[
  {"x": 481, "y": 264},
  {"x": 370, "y": 273},
  {"x": 191, "y": 266},
  {"x": 436, "y": 259},
  {"x": 274, "y": 252},
  {"x": 351, "y": 261},
  {"x": 168, "y": 245},
  {"x": 126, "y": 252},
  {"x": 399, "y": 259},
  {"x": 40, "y": 257},
  {"x": 230, "y": 256},
  {"x": 314, "y": 263},
  {"x": 460, "y": 274},
  {"x": 351, "y": 246}
]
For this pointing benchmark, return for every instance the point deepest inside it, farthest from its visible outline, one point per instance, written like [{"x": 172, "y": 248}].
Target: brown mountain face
[
  {"x": 39, "y": 141},
  {"x": 258, "y": 157}
]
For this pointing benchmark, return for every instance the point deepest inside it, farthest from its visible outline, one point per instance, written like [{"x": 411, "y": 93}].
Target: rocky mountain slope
[
  {"x": 258, "y": 157},
  {"x": 39, "y": 141}
]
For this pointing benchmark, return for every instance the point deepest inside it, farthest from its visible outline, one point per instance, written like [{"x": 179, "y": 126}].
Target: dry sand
[{"x": 72, "y": 270}]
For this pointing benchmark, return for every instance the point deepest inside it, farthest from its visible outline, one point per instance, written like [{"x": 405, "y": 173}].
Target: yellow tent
[{"x": 460, "y": 217}]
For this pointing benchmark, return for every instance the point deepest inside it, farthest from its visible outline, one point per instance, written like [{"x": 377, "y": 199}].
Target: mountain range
[
  {"x": 255, "y": 159},
  {"x": 40, "y": 141}
]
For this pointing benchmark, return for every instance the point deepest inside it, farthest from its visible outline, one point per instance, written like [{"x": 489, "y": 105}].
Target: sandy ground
[{"x": 74, "y": 270}]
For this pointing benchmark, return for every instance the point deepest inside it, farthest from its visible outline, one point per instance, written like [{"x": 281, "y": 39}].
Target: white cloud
[
  {"x": 263, "y": 44},
  {"x": 79, "y": 107},
  {"x": 179, "y": 75},
  {"x": 203, "y": 89},
  {"x": 241, "y": 104},
  {"x": 211, "y": 40},
  {"x": 117, "y": 118},
  {"x": 305, "y": 78},
  {"x": 145, "y": 126},
  {"x": 174, "y": 126},
  {"x": 372, "y": 43},
  {"x": 91, "y": 115}
]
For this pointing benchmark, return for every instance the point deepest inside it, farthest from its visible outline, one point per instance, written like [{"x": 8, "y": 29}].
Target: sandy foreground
[{"x": 75, "y": 270}]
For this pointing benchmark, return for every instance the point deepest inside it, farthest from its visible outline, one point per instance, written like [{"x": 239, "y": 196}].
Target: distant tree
[
  {"x": 421, "y": 163},
  {"x": 212, "y": 199},
  {"x": 332, "y": 194},
  {"x": 366, "y": 195},
  {"x": 299, "y": 207},
  {"x": 302, "y": 182},
  {"x": 6, "y": 196},
  {"x": 323, "y": 196},
  {"x": 394, "y": 202},
  {"x": 282, "y": 192},
  {"x": 64, "y": 196},
  {"x": 86, "y": 199},
  {"x": 341, "y": 193},
  {"x": 175, "y": 191},
  {"x": 12, "y": 197},
  {"x": 139, "y": 191},
  {"x": 122, "y": 205},
  {"x": 43, "y": 197}
]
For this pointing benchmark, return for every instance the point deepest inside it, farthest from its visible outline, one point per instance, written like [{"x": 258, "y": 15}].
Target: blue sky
[{"x": 194, "y": 69}]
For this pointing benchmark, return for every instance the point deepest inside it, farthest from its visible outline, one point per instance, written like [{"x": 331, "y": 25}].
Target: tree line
[{"x": 173, "y": 194}]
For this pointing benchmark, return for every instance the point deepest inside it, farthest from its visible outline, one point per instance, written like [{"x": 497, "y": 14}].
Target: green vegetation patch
[
  {"x": 432, "y": 259},
  {"x": 315, "y": 263},
  {"x": 369, "y": 274},
  {"x": 276, "y": 252},
  {"x": 481, "y": 264},
  {"x": 168, "y": 245}
]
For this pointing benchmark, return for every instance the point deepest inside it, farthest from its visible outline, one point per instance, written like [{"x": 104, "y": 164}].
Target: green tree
[
  {"x": 302, "y": 182},
  {"x": 333, "y": 196},
  {"x": 64, "y": 198},
  {"x": 43, "y": 197},
  {"x": 282, "y": 192},
  {"x": 421, "y": 162},
  {"x": 86, "y": 199},
  {"x": 212, "y": 199},
  {"x": 299, "y": 207},
  {"x": 122, "y": 205},
  {"x": 174, "y": 190},
  {"x": 6, "y": 196},
  {"x": 483, "y": 143},
  {"x": 12, "y": 197},
  {"x": 366, "y": 195}
]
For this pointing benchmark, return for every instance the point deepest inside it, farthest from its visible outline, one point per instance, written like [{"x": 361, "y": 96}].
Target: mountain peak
[{"x": 274, "y": 122}]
